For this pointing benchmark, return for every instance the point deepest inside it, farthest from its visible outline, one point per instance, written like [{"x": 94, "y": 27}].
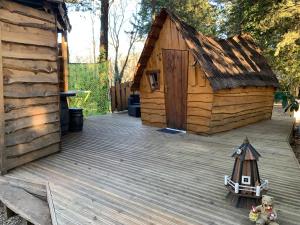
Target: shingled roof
[
  {"x": 246, "y": 152},
  {"x": 234, "y": 62},
  {"x": 59, "y": 6}
]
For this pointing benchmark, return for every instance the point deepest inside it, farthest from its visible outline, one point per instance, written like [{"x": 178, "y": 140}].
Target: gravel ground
[{"x": 15, "y": 220}]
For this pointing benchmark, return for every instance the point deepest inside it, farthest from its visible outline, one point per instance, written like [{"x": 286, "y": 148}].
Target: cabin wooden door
[{"x": 175, "y": 68}]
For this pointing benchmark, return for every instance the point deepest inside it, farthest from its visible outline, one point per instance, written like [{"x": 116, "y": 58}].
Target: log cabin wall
[
  {"x": 199, "y": 96},
  {"x": 238, "y": 107},
  {"x": 153, "y": 110},
  {"x": 30, "y": 105},
  {"x": 199, "y": 100},
  {"x": 229, "y": 82}
]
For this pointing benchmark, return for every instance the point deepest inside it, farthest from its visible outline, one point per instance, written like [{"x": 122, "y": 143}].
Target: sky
[{"x": 80, "y": 37}]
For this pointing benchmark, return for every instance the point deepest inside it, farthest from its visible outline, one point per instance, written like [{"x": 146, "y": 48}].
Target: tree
[
  {"x": 94, "y": 6},
  {"x": 104, "y": 30},
  {"x": 200, "y": 13},
  {"x": 116, "y": 26},
  {"x": 275, "y": 26}
]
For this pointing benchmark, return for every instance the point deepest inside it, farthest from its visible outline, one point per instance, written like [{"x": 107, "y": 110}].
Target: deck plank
[
  {"x": 31, "y": 208},
  {"x": 118, "y": 171}
]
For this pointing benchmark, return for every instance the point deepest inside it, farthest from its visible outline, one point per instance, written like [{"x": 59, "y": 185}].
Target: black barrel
[{"x": 76, "y": 119}]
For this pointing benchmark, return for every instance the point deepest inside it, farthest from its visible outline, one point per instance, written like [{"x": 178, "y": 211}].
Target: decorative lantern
[{"x": 245, "y": 182}]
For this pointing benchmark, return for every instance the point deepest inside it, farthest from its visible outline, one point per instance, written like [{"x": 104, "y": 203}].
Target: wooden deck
[{"x": 120, "y": 172}]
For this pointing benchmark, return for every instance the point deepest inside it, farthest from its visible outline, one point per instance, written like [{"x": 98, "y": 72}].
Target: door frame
[{"x": 185, "y": 95}]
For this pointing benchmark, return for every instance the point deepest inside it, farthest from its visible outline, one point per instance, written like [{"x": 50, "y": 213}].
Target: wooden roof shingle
[
  {"x": 59, "y": 6},
  {"x": 227, "y": 63}
]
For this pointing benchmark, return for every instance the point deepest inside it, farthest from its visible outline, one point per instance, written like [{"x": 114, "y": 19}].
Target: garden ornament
[{"x": 264, "y": 214}]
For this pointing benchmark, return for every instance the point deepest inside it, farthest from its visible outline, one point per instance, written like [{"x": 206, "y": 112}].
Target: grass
[{"x": 91, "y": 82}]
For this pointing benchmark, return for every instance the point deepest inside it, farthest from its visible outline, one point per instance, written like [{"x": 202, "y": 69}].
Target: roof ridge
[{"x": 227, "y": 63}]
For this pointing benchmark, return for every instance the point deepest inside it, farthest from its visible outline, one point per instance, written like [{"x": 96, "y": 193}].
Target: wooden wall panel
[
  {"x": 30, "y": 156},
  {"x": 237, "y": 107},
  {"x": 24, "y": 148},
  {"x": 30, "y": 65},
  {"x": 153, "y": 103},
  {"x": 200, "y": 100},
  {"x": 16, "y": 18},
  {"x": 3, "y": 168},
  {"x": 20, "y": 51},
  {"x": 207, "y": 112},
  {"x": 27, "y": 11},
  {"x": 18, "y": 103},
  {"x": 30, "y": 109},
  {"x": 27, "y": 35},
  {"x": 120, "y": 93}
]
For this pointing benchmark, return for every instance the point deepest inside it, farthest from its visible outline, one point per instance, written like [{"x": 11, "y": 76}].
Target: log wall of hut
[
  {"x": 199, "y": 101},
  {"x": 207, "y": 111},
  {"x": 153, "y": 110},
  {"x": 199, "y": 96},
  {"x": 238, "y": 107},
  {"x": 29, "y": 98},
  {"x": 229, "y": 82}
]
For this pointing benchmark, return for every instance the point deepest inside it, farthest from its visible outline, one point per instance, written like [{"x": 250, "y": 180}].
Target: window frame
[
  {"x": 246, "y": 182},
  {"x": 149, "y": 73}
]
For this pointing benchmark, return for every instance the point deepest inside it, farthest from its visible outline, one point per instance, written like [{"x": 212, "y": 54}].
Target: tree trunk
[
  {"x": 93, "y": 40},
  {"x": 116, "y": 66},
  {"x": 104, "y": 30},
  {"x": 153, "y": 6}
]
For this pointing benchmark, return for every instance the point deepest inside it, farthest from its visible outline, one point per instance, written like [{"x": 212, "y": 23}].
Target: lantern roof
[{"x": 246, "y": 152}]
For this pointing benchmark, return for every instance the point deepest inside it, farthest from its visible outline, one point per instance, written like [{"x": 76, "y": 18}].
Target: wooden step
[
  {"x": 38, "y": 190},
  {"x": 26, "y": 205}
]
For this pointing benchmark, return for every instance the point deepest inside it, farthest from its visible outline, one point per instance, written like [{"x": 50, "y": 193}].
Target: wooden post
[
  {"x": 113, "y": 98},
  {"x": 123, "y": 96},
  {"x": 118, "y": 96},
  {"x": 65, "y": 56},
  {"x": 225, "y": 180},
  {"x": 2, "y": 125},
  {"x": 236, "y": 188}
]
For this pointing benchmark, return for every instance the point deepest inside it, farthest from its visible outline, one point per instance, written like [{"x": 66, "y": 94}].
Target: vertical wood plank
[
  {"x": 177, "y": 91},
  {"x": 65, "y": 56},
  {"x": 113, "y": 98},
  {"x": 128, "y": 92},
  {"x": 2, "y": 125},
  {"x": 118, "y": 96},
  {"x": 184, "y": 74},
  {"x": 175, "y": 63},
  {"x": 123, "y": 96},
  {"x": 58, "y": 63}
]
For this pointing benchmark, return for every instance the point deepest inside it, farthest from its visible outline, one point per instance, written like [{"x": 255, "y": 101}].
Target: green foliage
[
  {"x": 199, "y": 13},
  {"x": 288, "y": 101},
  {"x": 91, "y": 81},
  {"x": 275, "y": 25}
]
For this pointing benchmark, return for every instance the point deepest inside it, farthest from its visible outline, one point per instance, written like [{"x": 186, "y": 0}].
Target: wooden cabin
[
  {"x": 200, "y": 84},
  {"x": 29, "y": 96}
]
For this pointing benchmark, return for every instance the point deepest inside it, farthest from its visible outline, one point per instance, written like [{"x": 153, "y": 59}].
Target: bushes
[{"x": 91, "y": 80}]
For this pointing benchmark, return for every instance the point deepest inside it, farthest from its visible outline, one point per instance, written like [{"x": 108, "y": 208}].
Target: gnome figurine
[{"x": 264, "y": 214}]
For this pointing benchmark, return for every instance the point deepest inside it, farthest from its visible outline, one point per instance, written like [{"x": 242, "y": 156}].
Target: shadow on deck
[{"x": 118, "y": 171}]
